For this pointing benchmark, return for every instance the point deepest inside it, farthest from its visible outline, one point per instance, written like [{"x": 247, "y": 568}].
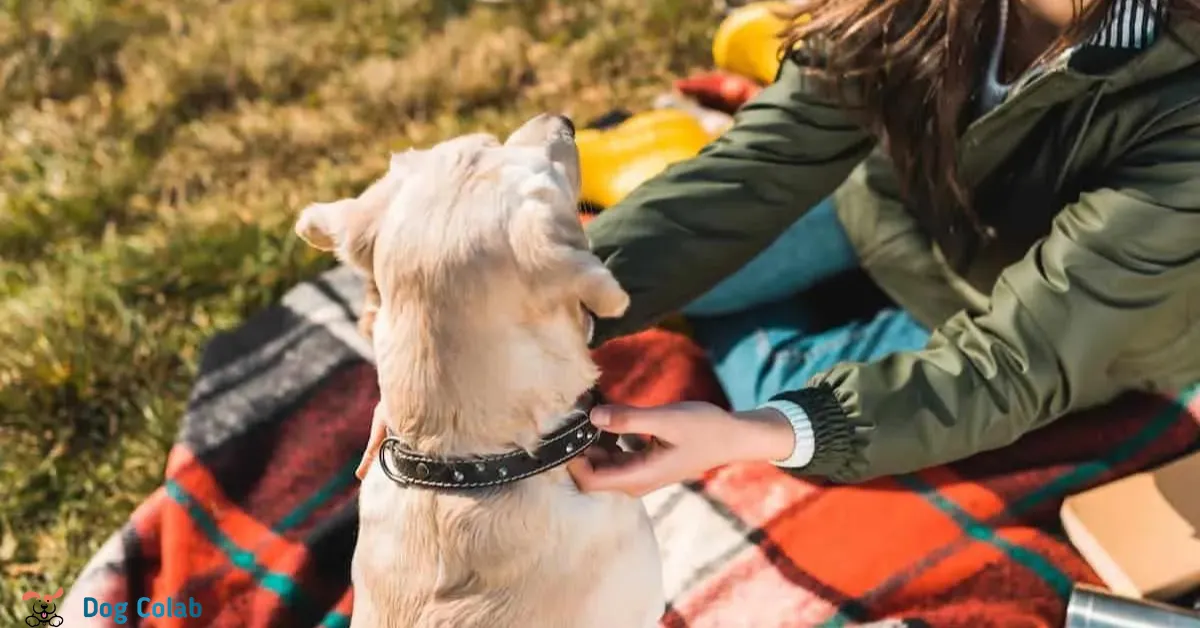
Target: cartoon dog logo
[{"x": 45, "y": 611}]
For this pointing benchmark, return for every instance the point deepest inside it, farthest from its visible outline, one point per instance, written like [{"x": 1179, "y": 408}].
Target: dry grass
[{"x": 152, "y": 156}]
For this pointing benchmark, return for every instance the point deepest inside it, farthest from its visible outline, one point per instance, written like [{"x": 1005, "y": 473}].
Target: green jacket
[{"x": 1090, "y": 287}]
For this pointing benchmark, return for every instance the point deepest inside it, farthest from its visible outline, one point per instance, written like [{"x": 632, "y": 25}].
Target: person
[{"x": 1021, "y": 179}]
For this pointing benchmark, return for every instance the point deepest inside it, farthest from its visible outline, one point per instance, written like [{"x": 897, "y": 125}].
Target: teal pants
[{"x": 777, "y": 322}]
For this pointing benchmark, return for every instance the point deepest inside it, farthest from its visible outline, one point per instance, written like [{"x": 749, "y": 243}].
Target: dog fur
[{"x": 478, "y": 267}]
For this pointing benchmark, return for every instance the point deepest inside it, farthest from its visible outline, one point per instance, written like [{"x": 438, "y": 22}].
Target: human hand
[
  {"x": 686, "y": 440},
  {"x": 374, "y": 441}
]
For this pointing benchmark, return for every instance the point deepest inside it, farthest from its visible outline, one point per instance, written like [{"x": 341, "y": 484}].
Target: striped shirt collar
[{"x": 1129, "y": 25}]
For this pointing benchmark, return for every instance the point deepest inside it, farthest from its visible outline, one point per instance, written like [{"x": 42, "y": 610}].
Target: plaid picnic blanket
[{"x": 256, "y": 518}]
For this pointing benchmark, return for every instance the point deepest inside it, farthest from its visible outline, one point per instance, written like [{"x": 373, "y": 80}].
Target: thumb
[
  {"x": 378, "y": 434},
  {"x": 661, "y": 421}
]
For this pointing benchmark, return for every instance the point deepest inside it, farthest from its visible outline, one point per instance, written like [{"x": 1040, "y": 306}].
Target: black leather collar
[{"x": 407, "y": 468}]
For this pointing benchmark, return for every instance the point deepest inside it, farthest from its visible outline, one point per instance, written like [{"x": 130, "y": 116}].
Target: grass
[{"x": 153, "y": 154}]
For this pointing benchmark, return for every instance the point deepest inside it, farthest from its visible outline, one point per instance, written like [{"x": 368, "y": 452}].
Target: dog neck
[{"x": 461, "y": 385}]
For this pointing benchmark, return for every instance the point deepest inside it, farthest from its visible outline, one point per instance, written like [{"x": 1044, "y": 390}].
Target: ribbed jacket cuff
[
  {"x": 831, "y": 429},
  {"x": 802, "y": 433}
]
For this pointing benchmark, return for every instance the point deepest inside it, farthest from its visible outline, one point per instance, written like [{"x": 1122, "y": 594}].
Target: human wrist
[
  {"x": 803, "y": 438},
  {"x": 765, "y": 435}
]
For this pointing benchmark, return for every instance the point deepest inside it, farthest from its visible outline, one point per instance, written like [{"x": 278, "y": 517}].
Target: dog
[
  {"x": 481, "y": 292},
  {"x": 43, "y": 610}
]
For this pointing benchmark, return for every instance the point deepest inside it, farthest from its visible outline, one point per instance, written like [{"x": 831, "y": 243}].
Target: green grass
[{"x": 153, "y": 155}]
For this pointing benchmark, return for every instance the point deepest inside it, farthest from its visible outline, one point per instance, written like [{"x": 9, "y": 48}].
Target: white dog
[{"x": 484, "y": 283}]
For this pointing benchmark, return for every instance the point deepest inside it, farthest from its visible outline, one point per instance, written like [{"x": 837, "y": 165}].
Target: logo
[
  {"x": 145, "y": 607},
  {"x": 44, "y": 612}
]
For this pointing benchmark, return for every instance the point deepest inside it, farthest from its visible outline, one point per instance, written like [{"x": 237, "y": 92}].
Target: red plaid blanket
[{"x": 256, "y": 519}]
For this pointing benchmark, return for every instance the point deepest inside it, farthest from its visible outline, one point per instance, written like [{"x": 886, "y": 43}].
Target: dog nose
[{"x": 567, "y": 123}]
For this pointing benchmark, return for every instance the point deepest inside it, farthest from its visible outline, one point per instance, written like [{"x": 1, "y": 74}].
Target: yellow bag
[
  {"x": 615, "y": 161},
  {"x": 747, "y": 41}
]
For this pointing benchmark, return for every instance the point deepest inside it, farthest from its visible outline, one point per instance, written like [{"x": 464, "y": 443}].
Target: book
[{"x": 1141, "y": 534}]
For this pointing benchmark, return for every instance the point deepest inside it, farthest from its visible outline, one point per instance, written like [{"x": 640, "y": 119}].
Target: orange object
[
  {"x": 617, "y": 160},
  {"x": 719, "y": 90},
  {"x": 747, "y": 41}
]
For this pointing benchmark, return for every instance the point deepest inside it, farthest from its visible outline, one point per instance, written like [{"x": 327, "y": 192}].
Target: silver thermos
[{"x": 1093, "y": 607}]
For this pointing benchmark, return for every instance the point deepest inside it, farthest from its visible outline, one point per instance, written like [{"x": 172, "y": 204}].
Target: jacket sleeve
[
  {"x": 1120, "y": 261},
  {"x": 680, "y": 233}
]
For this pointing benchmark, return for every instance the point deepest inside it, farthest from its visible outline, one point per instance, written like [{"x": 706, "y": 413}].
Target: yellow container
[
  {"x": 747, "y": 41},
  {"x": 615, "y": 161}
]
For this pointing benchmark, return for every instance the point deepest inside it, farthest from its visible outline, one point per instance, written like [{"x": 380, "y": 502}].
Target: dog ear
[
  {"x": 554, "y": 135},
  {"x": 348, "y": 227},
  {"x": 549, "y": 242},
  {"x": 326, "y": 226},
  {"x": 57, "y": 594},
  {"x": 29, "y": 595}
]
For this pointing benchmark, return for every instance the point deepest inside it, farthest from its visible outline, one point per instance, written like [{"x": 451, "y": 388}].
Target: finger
[
  {"x": 661, "y": 421},
  {"x": 612, "y": 459},
  {"x": 636, "y": 442},
  {"x": 636, "y": 473},
  {"x": 598, "y": 455},
  {"x": 592, "y": 458},
  {"x": 378, "y": 434},
  {"x": 368, "y": 458},
  {"x": 579, "y": 468}
]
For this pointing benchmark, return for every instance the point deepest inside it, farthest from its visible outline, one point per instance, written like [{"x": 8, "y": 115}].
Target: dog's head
[
  {"x": 474, "y": 234},
  {"x": 473, "y": 201},
  {"x": 43, "y": 606}
]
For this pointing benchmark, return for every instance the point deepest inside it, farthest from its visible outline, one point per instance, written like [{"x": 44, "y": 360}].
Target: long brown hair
[{"x": 910, "y": 68}]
